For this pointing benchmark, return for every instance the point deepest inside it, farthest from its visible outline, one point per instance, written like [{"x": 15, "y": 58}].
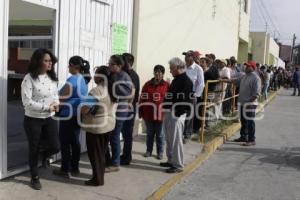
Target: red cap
[
  {"x": 197, "y": 53},
  {"x": 252, "y": 64}
]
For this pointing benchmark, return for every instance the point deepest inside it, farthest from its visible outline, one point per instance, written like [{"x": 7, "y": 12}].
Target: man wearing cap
[
  {"x": 195, "y": 73},
  {"x": 250, "y": 89}
]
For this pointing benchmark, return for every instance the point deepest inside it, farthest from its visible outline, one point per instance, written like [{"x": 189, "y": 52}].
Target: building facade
[
  {"x": 164, "y": 29},
  {"x": 285, "y": 53},
  {"x": 265, "y": 50}
]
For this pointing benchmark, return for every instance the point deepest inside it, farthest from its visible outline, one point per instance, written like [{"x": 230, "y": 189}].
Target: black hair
[
  {"x": 233, "y": 60},
  {"x": 229, "y": 63},
  {"x": 205, "y": 59},
  {"x": 118, "y": 59},
  {"x": 84, "y": 67},
  {"x": 128, "y": 61},
  {"x": 159, "y": 68},
  {"x": 36, "y": 64},
  {"x": 129, "y": 58},
  {"x": 104, "y": 70}
]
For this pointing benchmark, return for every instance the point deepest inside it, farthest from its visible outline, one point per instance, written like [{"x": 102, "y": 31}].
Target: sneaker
[
  {"x": 195, "y": 137},
  {"x": 112, "y": 169},
  {"x": 249, "y": 144},
  {"x": 147, "y": 154},
  {"x": 159, "y": 156},
  {"x": 240, "y": 140},
  {"x": 59, "y": 172},
  {"x": 165, "y": 164},
  {"x": 35, "y": 183},
  {"x": 185, "y": 140},
  {"x": 173, "y": 170}
]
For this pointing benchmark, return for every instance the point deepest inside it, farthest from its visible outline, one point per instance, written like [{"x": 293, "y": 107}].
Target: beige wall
[
  {"x": 243, "y": 52},
  {"x": 263, "y": 46},
  {"x": 259, "y": 45},
  {"x": 274, "y": 48},
  {"x": 164, "y": 29},
  {"x": 244, "y": 23}
]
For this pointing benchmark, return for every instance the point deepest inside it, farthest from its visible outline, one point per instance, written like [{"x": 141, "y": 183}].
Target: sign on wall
[{"x": 119, "y": 38}]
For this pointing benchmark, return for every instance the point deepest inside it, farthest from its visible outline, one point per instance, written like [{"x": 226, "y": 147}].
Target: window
[{"x": 48, "y": 44}]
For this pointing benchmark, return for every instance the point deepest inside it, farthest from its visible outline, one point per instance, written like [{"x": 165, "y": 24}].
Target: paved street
[{"x": 268, "y": 171}]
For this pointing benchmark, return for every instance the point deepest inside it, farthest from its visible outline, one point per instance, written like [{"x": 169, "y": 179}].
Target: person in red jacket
[{"x": 151, "y": 99}]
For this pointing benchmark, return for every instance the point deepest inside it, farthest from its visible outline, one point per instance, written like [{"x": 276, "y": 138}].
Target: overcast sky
[{"x": 285, "y": 15}]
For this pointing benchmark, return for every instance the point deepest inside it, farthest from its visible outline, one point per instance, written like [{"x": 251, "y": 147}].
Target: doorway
[{"x": 30, "y": 27}]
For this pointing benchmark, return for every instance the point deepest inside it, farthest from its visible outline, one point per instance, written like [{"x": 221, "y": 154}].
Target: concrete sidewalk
[
  {"x": 268, "y": 171},
  {"x": 137, "y": 181}
]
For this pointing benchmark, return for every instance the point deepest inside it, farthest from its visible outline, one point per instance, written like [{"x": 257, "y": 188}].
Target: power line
[
  {"x": 260, "y": 13},
  {"x": 269, "y": 16}
]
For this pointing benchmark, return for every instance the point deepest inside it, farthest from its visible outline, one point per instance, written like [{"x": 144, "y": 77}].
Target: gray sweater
[{"x": 250, "y": 87}]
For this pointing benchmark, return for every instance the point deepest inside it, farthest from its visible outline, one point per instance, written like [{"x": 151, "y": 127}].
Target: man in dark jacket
[
  {"x": 127, "y": 130},
  {"x": 178, "y": 102},
  {"x": 296, "y": 80}
]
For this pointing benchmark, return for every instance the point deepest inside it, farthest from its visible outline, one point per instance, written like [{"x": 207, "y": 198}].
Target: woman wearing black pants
[
  {"x": 71, "y": 94},
  {"x": 40, "y": 100},
  {"x": 98, "y": 122}
]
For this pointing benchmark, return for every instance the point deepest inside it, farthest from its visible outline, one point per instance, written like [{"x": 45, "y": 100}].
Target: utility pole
[
  {"x": 293, "y": 46},
  {"x": 267, "y": 27}
]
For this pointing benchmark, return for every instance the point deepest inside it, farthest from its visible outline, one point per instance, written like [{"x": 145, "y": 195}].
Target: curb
[{"x": 207, "y": 151}]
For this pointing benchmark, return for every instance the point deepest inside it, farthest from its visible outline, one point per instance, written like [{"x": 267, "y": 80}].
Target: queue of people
[{"x": 170, "y": 110}]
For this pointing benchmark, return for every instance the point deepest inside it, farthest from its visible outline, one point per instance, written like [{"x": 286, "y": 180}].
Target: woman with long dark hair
[
  {"x": 71, "y": 94},
  {"x": 40, "y": 100},
  {"x": 98, "y": 122}
]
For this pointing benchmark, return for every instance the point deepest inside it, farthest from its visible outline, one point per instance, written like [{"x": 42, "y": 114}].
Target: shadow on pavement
[{"x": 285, "y": 157}]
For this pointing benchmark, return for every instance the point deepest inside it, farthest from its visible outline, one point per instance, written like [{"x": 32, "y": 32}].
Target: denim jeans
[
  {"x": 198, "y": 112},
  {"x": 69, "y": 132},
  {"x": 154, "y": 129},
  {"x": 127, "y": 133},
  {"x": 296, "y": 86},
  {"x": 114, "y": 139},
  {"x": 265, "y": 91},
  {"x": 188, "y": 124},
  {"x": 247, "y": 115}
]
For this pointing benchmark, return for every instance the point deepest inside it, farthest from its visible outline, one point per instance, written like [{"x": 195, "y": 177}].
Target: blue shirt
[{"x": 79, "y": 91}]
